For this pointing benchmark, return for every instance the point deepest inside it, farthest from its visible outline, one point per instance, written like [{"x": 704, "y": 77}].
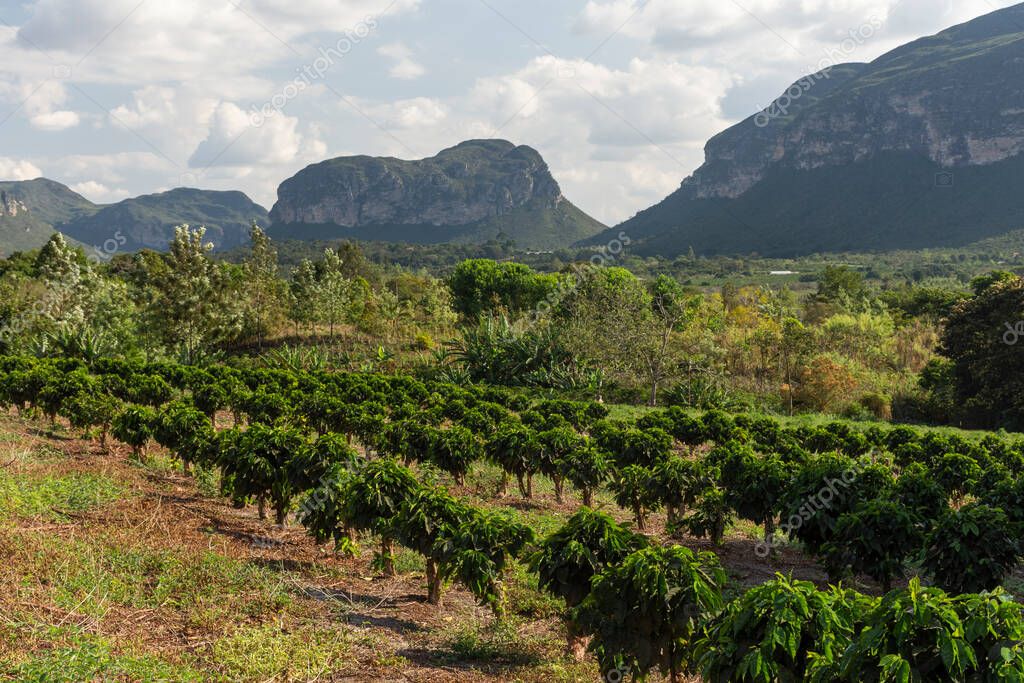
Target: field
[
  {"x": 122, "y": 571},
  {"x": 364, "y": 473}
]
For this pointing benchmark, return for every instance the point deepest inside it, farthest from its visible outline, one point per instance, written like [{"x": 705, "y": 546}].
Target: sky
[{"x": 117, "y": 98}]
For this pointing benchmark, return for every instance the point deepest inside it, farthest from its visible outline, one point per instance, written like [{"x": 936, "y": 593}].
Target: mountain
[
  {"x": 467, "y": 193},
  {"x": 29, "y": 209},
  {"x": 148, "y": 221},
  {"x": 32, "y": 210},
  {"x": 920, "y": 148}
]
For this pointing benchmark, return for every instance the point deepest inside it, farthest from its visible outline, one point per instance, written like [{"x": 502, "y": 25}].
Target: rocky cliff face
[
  {"x": 466, "y": 192},
  {"x": 474, "y": 181},
  {"x": 953, "y": 102},
  {"x": 9, "y": 206}
]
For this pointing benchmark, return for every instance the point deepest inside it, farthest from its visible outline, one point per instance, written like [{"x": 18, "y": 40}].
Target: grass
[
  {"x": 206, "y": 587},
  {"x": 269, "y": 652},
  {"x": 55, "y": 497},
  {"x": 495, "y": 642},
  {"x": 74, "y": 655}
]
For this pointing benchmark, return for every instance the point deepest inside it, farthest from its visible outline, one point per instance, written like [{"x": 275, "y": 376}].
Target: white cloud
[
  {"x": 414, "y": 114},
  {"x": 168, "y": 87},
  {"x": 405, "y": 67},
  {"x": 41, "y": 103},
  {"x": 233, "y": 140},
  {"x": 18, "y": 169},
  {"x": 99, "y": 193},
  {"x": 55, "y": 120}
]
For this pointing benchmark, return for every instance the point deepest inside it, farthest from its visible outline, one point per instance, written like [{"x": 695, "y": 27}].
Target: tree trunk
[
  {"x": 281, "y": 515},
  {"x": 433, "y": 582},
  {"x": 522, "y": 484},
  {"x": 588, "y": 497},
  {"x": 504, "y": 484},
  {"x": 641, "y": 521},
  {"x": 769, "y": 530},
  {"x": 529, "y": 485},
  {"x": 576, "y": 646},
  {"x": 559, "y": 486},
  {"x": 719, "y": 533},
  {"x": 261, "y": 505},
  {"x": 387, "y": 553},
  {"x": 653, "y": 401}
]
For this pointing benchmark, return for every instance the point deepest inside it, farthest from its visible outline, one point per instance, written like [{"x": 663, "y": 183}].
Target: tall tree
[
  {"x": 193, "y": 307},
  {"x": 984, "y": 337},
  {"x": 335, "y": 295},
  {"x": 263, "y": 287}
]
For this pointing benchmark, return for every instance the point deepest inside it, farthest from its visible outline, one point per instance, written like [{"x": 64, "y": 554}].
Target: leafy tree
[
  {"x": 336, "y": 297},
  {"x": 454, "y": 450},
  {"x": 645, "y": 613},
  {"x": 134, "y": 426},
  {"x": 194, "y": 306},
  {"x": 838, "y": 284},
  {"x": 711, "y": 516},
  {"x": 373, "y": 497},
  {"x": 482, "y": 286},
  {"x": 633, "y": 491},
  {"x": 302, "y": 293},
  {"x": 426, "y": 516},
  {"x": 988, "y": 368},
  {"x": 568, "y": 560},
  {"x": 264, "y": 289},
  {"x": 781, "y": 630},
  {"x": 971, "y": 549},
  {"x": 609, "y": 319},
  {"x": 795, "y": 342},
  {"x": 267, "y": 464},
  {"x": 677, "y": 483},
  {"x": 586, "y": 468},
  {"x": 913, "y": 634},
  {"x": 876, "y": 539},
  {"x": 516, "y": 450},
  {"x": 673, "y": 310},
  {"x": 477, "y": 551}
]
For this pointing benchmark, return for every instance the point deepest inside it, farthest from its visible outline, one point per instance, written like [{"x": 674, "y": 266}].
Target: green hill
[
  {"x": 30, "y": 209},
  {"x": 468, "y": 193},
  {"x": 148, "y": 221},
  {"x": 920, "y": 148}
]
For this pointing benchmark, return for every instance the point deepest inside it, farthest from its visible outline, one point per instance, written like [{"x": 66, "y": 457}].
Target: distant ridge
[
  {"x": 920, "y": 148},
  {"x": 468, "y": 193}
]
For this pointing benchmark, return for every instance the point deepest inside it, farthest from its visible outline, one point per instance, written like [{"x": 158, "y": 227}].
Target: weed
[
  {"x": 55, "y": 497},
  {"x": 259, "y": 653}
]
